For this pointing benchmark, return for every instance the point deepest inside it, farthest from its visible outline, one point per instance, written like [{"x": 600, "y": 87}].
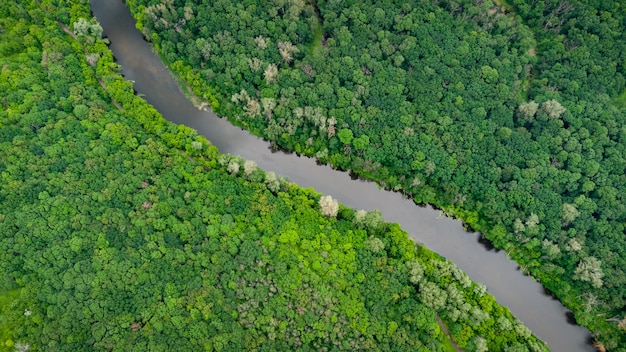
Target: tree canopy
[
  {"x": 509, "y": 115},
  {"x": 121, "y": 231}
]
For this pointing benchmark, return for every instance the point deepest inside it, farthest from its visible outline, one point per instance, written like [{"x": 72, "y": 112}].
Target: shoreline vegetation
[
  {"x": 506, "y": 116},
  {"x": 120, "y": 230}
]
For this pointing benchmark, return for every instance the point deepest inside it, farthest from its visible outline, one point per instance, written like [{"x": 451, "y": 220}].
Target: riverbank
[{"x": 445, "y": 236}]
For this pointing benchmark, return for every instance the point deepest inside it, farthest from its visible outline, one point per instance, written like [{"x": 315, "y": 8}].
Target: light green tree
[
  {"x": 590, "y": 270},
  {"x": 528, "y": 110},
  {"x": 553, "y": 108}
]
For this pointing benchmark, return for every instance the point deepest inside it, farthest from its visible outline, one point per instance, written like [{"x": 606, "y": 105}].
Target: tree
[
  {"x": 415, "y": 271},
  {"x": 570, "y": 213},
  {"x": 552, "y": 108},
  {"x": 432, "y": 296},
  {"x": 249, "y": 167},
  {"x": 374, "y": 244},
  {"x": 286, "y": 50},
  {"x": 589, "y": 269},
  {"x": 82, "y": 27},
  {"x": 345, "y": 135},
  {"x": 480, "y": 344},
  {"x": 527, "y": 110},
  {"x": 268, "y": 106},
  {"x": 271, "y": 181},
  {"x": 271, "y": 72},
  {"x": 328, "y": 206}
]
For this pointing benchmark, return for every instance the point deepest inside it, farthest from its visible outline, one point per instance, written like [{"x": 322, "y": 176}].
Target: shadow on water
[
  {"x": 488, "y": 245},
  {"x": 469, "y": 251}
]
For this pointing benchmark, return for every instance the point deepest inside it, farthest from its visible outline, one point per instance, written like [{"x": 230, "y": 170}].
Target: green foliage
[
  {"x": 120, "y": 231},
  {"x": 503, "y": 112}
]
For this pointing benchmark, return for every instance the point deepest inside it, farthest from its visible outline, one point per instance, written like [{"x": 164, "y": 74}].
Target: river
[{"x": 545, "y": 316}]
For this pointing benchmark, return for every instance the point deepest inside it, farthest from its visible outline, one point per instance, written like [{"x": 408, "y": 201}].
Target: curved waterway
[{"x": 527, "y": 300}]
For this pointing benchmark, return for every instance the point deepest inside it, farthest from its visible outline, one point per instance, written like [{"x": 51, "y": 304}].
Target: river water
[{"x": 527, "y": 300}]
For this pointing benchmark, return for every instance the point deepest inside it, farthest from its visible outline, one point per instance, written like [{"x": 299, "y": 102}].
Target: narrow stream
[{"x": 527, "y": 300}]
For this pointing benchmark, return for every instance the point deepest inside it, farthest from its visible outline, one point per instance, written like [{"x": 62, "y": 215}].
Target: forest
[
  {"x": 508, "y": 115},
  {"x": 121, "y": 231}
]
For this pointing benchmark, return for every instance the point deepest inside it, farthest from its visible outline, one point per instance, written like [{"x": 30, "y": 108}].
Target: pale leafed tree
[
  {"x": 308, "y": 70},
  {"x": 550, "y": 248},
  {"x": 298, "y": 112},
  {"x": 429, "y": 168},
  {"x": 92, "y": 59},
  {"x": 374, "y": 244},
  {"x": 570, "y": 213},
  {"x": 249, "y": 167},
  {"x": 268, "y": 106},
  {"x": 444, "y": 267},
  {"x": 359, "y": 216},
  {"x": 477, "y": 316},
  {"x": 255, "y": 64},
  {"x": 522, "y": 330},
  {"x": 322, "y": 154},
  {"x": 453, "y": 314},
  {"x": 465, "y": 310},
  {"x": 271, "y": 73},
  {"x": 316, "y": 116},
  {"x": 373, "y": 219},
  {"x": 504, "y": 324},
  {"x": 432, "y": 296},
  {"x": 241, "y": 97},
  {"x": 591, "y": 301},
  {"x": 460, "y": 276},
  {"x": 415, "y": 271},
  {"x": 480, "y": 289},
  {"x": 205, "y": 48},
  {"x": 261, "y": 42},
  {"x": 188, "y": 13},
  {"x": 82, "y": 27},
  {"x": 295, "y": 8},
  {"x": 518, "y": 226},
  {"x": 455, "y": 296},
  {"x": 21, "y": 347},
  {"x": 532, "y": 221},
  {"x": 590, "y": 270},
  {"x": 96, "y": 30},
  {"x": 271, "y": 181},
  {"x": 253, "y": 108},
  {"x": 528, "y": 110},
  {"x": 328, "y": 206},
  {"x": 223, "y": 159},
  {"x": 233, "y": 167},
  {"x": 480, "y": 344},
  {"x": 573, "y": 245},
  {"x": 552, "y": 108},
  {"x": 286, "y": 50},
  {"x": 195, "y": 145},
  {"x": 332, "y": 121}
]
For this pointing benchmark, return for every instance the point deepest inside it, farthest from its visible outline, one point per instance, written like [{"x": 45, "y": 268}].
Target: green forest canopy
[
  {"x": 121, "y": 231},
  {"x": 510, "y": 116}
]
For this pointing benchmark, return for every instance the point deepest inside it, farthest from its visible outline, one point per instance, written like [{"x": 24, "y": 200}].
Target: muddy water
[{"x": 545, "y": 316}]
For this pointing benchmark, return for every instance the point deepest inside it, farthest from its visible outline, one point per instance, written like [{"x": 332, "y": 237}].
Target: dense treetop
[
  {"x": 511, "y": 117},
  {"x": 120, "y": 231}
]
